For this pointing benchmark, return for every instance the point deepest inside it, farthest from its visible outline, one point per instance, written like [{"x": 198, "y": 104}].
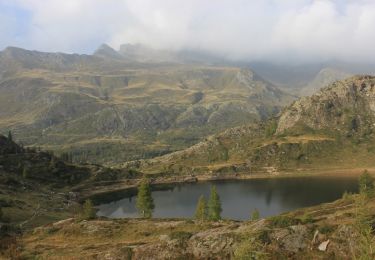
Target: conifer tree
[
  {"x": 201, "y": 210},
  {"x": 25, "y": 172},
  {"x": 214, "y": 205},
  {"x": 366, "y": 184},
  {"x": 145, "y": 203},
  {"x": 1, "y": 214},
  {"x": 10, "y": 137},
  {"x": 88, "y": 211}
]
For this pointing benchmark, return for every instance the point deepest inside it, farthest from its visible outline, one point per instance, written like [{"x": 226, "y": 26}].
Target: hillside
[
  {"x": 104, "y": 108},
  {"x": 333, "y": 128},
  {"x": 37, "y": 187}
]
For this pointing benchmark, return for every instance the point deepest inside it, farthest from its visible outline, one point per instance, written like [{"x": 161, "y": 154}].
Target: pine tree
[
  {"x": 145, "y": 203},
  {"x": 1, "y": 214},
  {"x": 10, "y": 137},
  {"x": 201, "y": 211},
  {"x": 88, "y": 211},
  {"x": 214, "y": 205},
  {"x": 255, "y": 215},
  {"x": 366, "y": 184},
  {"x": 25, "y": 172}
]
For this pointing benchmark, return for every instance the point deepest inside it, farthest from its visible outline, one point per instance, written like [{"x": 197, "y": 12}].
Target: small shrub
[
  {"x": 347, "y": 195},
  {"x": 255, "y": 215},
  {"x": 249, "y": 249},
  {"x": 326, "y": 229},
  {"x": 264, "y": 237},
  {"x": 306, "y": 218},
  {"x": 366, "y": 184},
  {"x": 88, "y": 211},
  {"x": 282, "y": 221}
]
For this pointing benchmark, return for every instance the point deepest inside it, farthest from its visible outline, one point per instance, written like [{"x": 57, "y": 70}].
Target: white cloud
[{"x": 257, "y": 29}]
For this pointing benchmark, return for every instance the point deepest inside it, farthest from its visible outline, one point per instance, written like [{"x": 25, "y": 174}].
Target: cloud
[{"x": 304, "y": 30}]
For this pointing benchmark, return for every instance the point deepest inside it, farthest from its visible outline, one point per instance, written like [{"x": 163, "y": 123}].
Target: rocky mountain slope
[
  {"x": 105, "y": 108},
  {"x": 333, "y": 128}
]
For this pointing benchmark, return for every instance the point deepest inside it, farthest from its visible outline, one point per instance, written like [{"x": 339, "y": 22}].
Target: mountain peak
[{"x": 105, "y": 51}]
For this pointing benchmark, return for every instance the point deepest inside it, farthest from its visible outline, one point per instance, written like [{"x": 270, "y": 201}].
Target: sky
[{"x": 305, "y": 30}]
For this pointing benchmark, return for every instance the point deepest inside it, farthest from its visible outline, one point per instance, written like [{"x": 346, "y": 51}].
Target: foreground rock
[{"x": 327, "y": 233}]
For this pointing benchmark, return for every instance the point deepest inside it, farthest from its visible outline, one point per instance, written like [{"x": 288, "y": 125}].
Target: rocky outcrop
[{"x": 343, "y": 105}]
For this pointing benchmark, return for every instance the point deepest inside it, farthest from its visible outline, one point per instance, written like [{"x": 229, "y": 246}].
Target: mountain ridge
[
  {"x": 114, "y": 110},
  {"x": 333, "y": 127}
]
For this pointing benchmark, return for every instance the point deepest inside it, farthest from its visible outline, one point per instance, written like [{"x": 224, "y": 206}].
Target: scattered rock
[{"x": 323, "y": 246}]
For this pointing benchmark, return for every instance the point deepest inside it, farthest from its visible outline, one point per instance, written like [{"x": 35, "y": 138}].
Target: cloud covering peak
[{"x": 303, "y": 30}]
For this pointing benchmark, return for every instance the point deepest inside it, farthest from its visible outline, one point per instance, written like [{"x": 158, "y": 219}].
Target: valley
[
  {"x": 95, "y": 127},
  {"x": 109, "y": 111}
]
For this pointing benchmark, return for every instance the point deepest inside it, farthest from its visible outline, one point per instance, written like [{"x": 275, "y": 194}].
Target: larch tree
[
  {"x": 214, "y": 205},
  {"x": 145, "y": 202},
  {"x": 201, "y": 210}
]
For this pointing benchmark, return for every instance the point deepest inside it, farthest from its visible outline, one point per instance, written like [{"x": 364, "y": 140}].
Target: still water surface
[{"x": 239, "y": 197}]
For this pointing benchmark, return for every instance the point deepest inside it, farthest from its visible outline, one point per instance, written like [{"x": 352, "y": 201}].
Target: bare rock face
[
  {"x": 292, "y": 239},
  {"x": 332, "y": 106},
  {"x": 211, "y": 244}
]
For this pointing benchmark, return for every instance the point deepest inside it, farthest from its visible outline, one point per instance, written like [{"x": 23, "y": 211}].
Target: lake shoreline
[{"x": 131, "y": 185}]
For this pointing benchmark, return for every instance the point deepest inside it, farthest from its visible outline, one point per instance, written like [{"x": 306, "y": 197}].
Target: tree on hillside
[
  {"x": 201, "y": 210},
  {"x": 88, "y": 210},
  {"x": 25, "y": 172},
  {"x": 10, "y": 137},
  {"x": 214, "y": 205},
  {"x": 366, "y": 184},
  {"x": 145, "y": 203},
  {"x": 1, "y": 214}
]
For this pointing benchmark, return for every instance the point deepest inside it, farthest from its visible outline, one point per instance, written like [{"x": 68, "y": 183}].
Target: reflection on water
[{"x": 239, "y": 198}]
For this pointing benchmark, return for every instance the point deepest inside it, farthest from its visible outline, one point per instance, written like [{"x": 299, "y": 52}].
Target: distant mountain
[
  {"x": 305, "y": 79},
  {"x": 333, "y": 128},
  {"x": 105, "y": 51},
  {"x": 325, "y": 77},
  {"x": 107, "y": 109}
]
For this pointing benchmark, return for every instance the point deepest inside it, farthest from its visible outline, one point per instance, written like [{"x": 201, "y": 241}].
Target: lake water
[{"x": 238, "y": 197}]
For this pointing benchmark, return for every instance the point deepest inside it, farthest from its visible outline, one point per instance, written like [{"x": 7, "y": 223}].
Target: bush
[
  {"x": 366, "y": 184},
  {"x": 282, "y": 221},
  {"x": 249, "y": 249},
  {"x": 326, "y": 229},
  {"x": 347, "y": 195},
  {"x": 255, "y": 215},
  {"x": 306, "y": 218},
  {"x": 88, "y": 211}
]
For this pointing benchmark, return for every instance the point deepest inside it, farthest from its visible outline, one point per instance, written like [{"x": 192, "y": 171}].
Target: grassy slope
[
  {"x": 112, "y": 115},
  {"x": 36, "y": 187}
]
